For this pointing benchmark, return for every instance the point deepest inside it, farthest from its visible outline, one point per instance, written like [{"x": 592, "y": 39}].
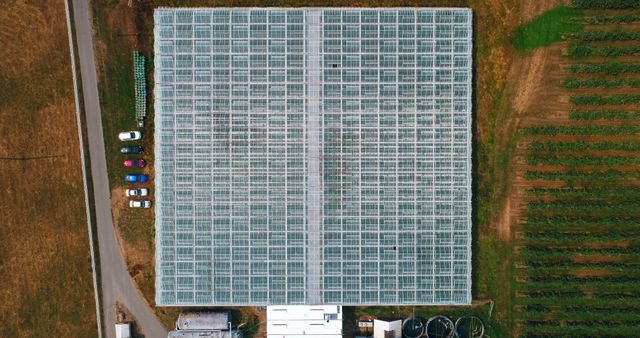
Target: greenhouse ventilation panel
[{"x": 313, "y": 156}]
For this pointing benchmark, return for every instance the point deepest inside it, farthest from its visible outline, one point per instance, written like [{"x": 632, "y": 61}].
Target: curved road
[{"x": 116, "y": 284}]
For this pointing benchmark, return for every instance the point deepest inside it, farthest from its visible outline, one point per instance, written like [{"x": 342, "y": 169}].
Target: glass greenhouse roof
[{"x": 313, "y": 156}]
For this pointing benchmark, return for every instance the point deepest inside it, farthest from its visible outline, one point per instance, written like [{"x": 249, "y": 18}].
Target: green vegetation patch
[
  {"x": 603, "y": 19},
  {"x": 610, "y": 68},
  {"x": 603, "y": 115},
  {"x": 584, "y": 146},
  {"x": 583, "y": 50},
  {"x": 582, "y": 130},
  {"x": 606, "y": 4},
  {"x": 595, "y": 99},
  {"x": 600, "y": 82},
  {"x": 614, "y": 35},
  {"x": 547, "y": 28}
]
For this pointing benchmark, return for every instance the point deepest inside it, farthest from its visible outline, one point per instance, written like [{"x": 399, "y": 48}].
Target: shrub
[
  {"x": 612, "y": 68},
  {"x": 573, "y": 83},
  {"x": 615, "y": 35},
  {"x": 582, "y": 130},
  {"x": 582, "y": 50},
  {"x": 595, "y": 99},
  {"x": 608, "y": 19}
]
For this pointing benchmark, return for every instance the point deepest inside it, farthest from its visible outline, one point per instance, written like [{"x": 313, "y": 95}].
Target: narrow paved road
[{"x": 117, "y": 285}]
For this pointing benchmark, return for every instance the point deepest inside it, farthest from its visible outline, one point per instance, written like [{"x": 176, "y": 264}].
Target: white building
[
  {"x": 384, "y": 329},
  {"x": 301, "y": 321},
  {"x": 123, "y": 330}
]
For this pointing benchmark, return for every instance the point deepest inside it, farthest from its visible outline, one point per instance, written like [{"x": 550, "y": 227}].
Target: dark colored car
[
  {"x": 131, "y": 150},
  {"x": 135, "y": 178}
]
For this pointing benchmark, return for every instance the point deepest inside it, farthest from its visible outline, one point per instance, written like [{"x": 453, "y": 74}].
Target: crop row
[
  {"x": 584, "y": 146},
  {"x": 541, "y": 312},
  {"x": 533, "y": 248},
  {"x": 609, "y": 19},
  {"x": 611, "y": 68},
  {"x": 596, "y": 99},
  {"x": 584, "y": 221},
  {"x": 572, "y": 330},
  {"x": 606, "y": 4},
  {"x": 589, "y": 192},
  {"x": 603, "y": 115},
  {"x": 548, "y": 296},
  {"x": 536, "y": 263},
  {"x": 573, "y": 83},
  {"x": 573, "y": 176},
  {"x": 552, "y": 130},
  {"x": 582, "y": 160},
  {"x": 582, "y": 50},
  {"x": 614, "y": 35},
  {"x": 581, "y": 206}
]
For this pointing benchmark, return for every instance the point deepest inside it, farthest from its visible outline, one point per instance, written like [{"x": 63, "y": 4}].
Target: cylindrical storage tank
[
  {"x": 412, "y": 328},
  {"x": 440, "y": 327},
  {"x": 469, "y": 327}
]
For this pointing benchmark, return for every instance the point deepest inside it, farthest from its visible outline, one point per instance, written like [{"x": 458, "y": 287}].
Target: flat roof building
[
  {"x": 313, "y": 156},
  {"x": 304, "y": 321}
]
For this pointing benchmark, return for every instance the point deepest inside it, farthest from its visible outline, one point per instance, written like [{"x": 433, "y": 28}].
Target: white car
[
  {"x": 130, "y": 135},
  {"x": 140, "y": 204},
  {"x": 137, "y": 192}
]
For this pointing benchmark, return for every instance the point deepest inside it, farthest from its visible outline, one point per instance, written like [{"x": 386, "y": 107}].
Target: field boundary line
[{"x": 84, "y": 169}]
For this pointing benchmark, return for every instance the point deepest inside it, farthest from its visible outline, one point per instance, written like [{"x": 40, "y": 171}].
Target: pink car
[{"x": 134, "y": 163}]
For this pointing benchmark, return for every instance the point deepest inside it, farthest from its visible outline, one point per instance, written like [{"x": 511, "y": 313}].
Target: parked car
[
  {"x": 134, "y": 163},
  {"x": 131, "y": 150},
  {"x": 130, "y": 135},
  {"x": 137, "y": 192},
  {"x": 135, "y": 178},
  {"x": 140, "y": 204}
]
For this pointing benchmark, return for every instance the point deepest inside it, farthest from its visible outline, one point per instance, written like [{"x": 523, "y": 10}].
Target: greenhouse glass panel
[{"x": 313, "y": 156}]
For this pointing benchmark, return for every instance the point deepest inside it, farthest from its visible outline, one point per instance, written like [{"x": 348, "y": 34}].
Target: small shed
[
  {"x": 387, "y": 329},
  {"x": 123, "y": 330},
  {"x": 204, "y": 320}
]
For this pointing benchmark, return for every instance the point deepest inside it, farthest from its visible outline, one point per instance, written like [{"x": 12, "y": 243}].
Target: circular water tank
[
  {"x": 440, "y": 327},
  {"x": 469, "y": 327},
  {"x": 412, "y": 328}
]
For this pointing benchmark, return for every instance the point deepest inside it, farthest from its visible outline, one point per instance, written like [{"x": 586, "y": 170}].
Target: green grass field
[{"x": 547, "y": 28}]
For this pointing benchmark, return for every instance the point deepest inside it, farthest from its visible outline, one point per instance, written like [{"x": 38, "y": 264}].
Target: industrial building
[
  {"x": 313, "y": 156},
  {"x": 304, "y": 321}
]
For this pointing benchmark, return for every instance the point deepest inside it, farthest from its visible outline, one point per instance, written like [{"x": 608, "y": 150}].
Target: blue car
[{"x": 135, "y": 178}]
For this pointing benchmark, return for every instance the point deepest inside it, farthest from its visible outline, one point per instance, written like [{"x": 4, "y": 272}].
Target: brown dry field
[{"x": 45, "y": 277}]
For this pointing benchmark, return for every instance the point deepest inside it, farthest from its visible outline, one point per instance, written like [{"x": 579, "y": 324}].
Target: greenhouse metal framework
[{"x": 313, "y": 156}]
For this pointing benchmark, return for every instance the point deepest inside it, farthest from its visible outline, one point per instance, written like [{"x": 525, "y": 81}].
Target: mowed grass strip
[
  {"x": 547, "y": 28},
  {"x": 45, "y": 277}
]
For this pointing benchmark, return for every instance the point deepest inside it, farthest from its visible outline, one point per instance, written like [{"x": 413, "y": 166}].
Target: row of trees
[
  {"x": 584, "y": 50},
  {"x": 614, "y": 35},
  {"x": 537, "y": 146},
  {"x": 583, "y": 177},
  {"x": 603, "y": 19},
  {"x": 596, "y": 99},
  {"x": 611, "y": 68},
  {"x": 600, "y": 82},
  {"x": 552, "y": 130},
  {"x": 606, "y": 114}
]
